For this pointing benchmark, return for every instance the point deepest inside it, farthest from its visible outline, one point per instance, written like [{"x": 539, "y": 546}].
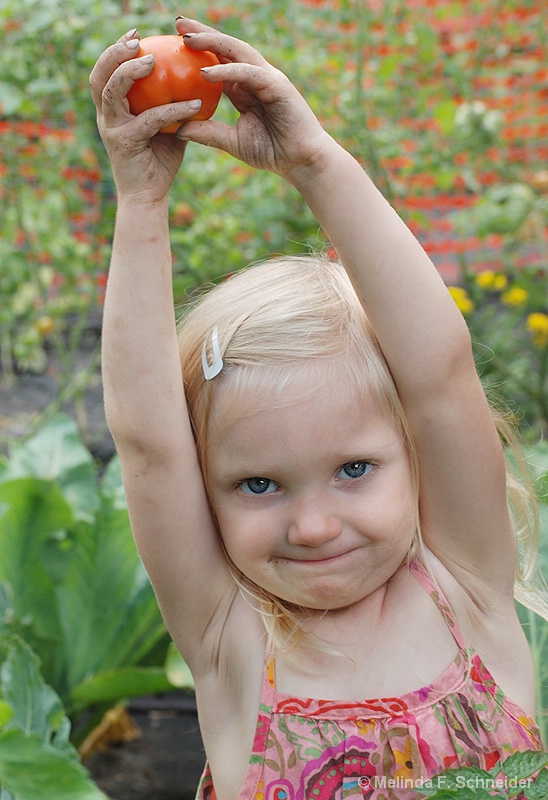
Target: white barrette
[{"x": 213, "y": 369}]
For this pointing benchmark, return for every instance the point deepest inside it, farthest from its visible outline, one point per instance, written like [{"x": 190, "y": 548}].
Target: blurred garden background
[{"x": 445, "y": 103}]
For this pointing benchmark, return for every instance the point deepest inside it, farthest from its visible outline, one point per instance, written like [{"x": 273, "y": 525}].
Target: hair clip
[{"x": 213, "y": 369}]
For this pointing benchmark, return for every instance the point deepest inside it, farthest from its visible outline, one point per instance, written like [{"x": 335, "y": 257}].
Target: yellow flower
[
  {"x": 491, "y": 280},
  {"x": 462, "y": 299},
  {"x": 515, "y": 296},
  {"x": 537, "y": 325}
]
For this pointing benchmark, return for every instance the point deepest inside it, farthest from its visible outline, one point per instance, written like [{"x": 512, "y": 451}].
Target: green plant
[
  {"x": 37, "y": 759},
  {"x": 507, "y": 313},
  {"x": 71, "y": 583},
  {"x": 522, "y": 775},
  {"x": 413, "y": 92}
]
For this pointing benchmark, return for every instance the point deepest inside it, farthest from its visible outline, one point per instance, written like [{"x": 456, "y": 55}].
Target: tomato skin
[{"x": 175, "y": 78}]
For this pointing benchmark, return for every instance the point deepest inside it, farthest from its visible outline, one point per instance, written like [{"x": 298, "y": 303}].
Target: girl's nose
[{"x": 312, "y": 524}]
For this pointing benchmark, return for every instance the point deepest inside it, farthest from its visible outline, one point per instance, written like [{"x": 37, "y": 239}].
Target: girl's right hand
[{"x": 144, "y": 162}]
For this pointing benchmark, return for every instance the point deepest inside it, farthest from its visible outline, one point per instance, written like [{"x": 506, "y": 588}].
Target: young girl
[{"x": 319, "y": 496}]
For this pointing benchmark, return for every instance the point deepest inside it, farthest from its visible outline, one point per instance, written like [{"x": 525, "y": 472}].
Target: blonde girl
[{"x": 315, "y": 482}]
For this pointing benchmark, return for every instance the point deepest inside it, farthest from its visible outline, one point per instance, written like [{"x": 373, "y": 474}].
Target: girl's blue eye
[
  {"x": 355, "y": 469},
  {"x": 258, "y": 486}
]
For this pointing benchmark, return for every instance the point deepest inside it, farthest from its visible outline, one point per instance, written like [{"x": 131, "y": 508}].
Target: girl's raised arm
[{"x": 143, "y": 387}]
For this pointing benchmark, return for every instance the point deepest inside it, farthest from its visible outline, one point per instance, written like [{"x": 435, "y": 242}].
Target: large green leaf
[
  {"x": 31, "y": 770},
  {"x": 34, "y": 512},
  {"x": 108, "y": 612},
  {"x": 522, "y": 765},
  {"x": 111, "y": 484},
  {"x": 119, "y": 684},
  {"x": 71, "y": 579},
  {"x": 36, "y": 707},
  {"x": 178, "y": 670},
  {"x": 539, "y": 790},
  {"x": 36, "y": 757},
  {"x": 56, "y": 453}
]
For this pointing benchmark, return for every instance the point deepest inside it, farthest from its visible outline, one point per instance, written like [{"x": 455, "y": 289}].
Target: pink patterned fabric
[{"x": 381, "y": 749}]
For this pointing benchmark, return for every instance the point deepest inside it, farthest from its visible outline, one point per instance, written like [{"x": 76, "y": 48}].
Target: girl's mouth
[{"x": 323, "y": 560}]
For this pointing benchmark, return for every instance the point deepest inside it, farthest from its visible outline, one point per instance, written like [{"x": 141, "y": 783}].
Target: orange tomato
[{"x": 175, "y": 78}]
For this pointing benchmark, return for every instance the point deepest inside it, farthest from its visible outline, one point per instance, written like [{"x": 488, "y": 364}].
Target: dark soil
[
  {"x": 25, "y": 397},
  {"x": 164, "y": 763}
]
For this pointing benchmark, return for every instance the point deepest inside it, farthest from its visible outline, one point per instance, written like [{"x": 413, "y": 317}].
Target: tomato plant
[{"x": 176, "y": 77}]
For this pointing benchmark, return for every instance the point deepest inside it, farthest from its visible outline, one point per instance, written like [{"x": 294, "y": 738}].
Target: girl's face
[{"x": 314, "y": 497}]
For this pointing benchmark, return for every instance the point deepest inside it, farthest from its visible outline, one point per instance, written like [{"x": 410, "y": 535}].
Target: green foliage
[
  {"x": 502, "y": 209},
  {"x": 522, "y": 775},
  {"x": 36, "y": 757},
  {"x": 71, "y": 583},
  {"x": 80, "y": 629},
  {"x": 507, "y": 315},
  {"x": 422, "y": 110}
]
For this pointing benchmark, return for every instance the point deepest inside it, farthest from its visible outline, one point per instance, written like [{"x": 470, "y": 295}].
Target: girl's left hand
[{"x": 276, "y": 129}]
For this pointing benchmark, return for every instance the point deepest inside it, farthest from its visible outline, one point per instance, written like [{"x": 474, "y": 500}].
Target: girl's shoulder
[
  {"x": 474, "y": 601},
  {"x": 484, "y": 621}
]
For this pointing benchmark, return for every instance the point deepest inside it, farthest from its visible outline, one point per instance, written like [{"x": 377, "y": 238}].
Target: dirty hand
[
  {"x": 144, "y": 162},
  {"x": 276, "y": 129}
]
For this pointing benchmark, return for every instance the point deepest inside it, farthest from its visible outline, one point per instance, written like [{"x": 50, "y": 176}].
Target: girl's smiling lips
[{"x": 323, "y": 560}]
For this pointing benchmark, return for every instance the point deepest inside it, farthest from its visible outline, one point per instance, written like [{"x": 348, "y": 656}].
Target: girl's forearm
[
  {"x": 415, "y": 319},
  {"x": 141, "y": 368}
]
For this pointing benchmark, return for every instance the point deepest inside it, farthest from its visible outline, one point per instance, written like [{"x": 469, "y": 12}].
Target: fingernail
[
  {"x": 197, "y": 104},
  {"x": 133, "y": 44},
  {"x": 188, "y": 35},
  {"x": 148, "y": 59},
  {"x": 206, "y": 69},
  {"x": 179, "y": 17},
  {"x": 130, "y": 34}
]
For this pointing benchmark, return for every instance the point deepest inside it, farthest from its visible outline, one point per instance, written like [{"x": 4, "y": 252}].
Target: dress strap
[
  {"x": 268, "y": 692},
  {"x": 270, "y": 673},
  {"x": 427, "y": 581}
]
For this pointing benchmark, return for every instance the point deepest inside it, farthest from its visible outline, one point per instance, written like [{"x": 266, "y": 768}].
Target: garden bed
[
  {"x": 26, "y": 397},
  {"x": 165, "y": 761}
]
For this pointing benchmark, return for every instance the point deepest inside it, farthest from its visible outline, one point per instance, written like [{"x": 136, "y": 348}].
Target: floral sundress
[{"x": 382, "y": 749}]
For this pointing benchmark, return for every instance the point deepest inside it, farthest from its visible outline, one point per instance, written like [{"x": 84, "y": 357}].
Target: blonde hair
[
  {"x": 277, "y": 320},
  {"x": 530, "y": 588}
]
